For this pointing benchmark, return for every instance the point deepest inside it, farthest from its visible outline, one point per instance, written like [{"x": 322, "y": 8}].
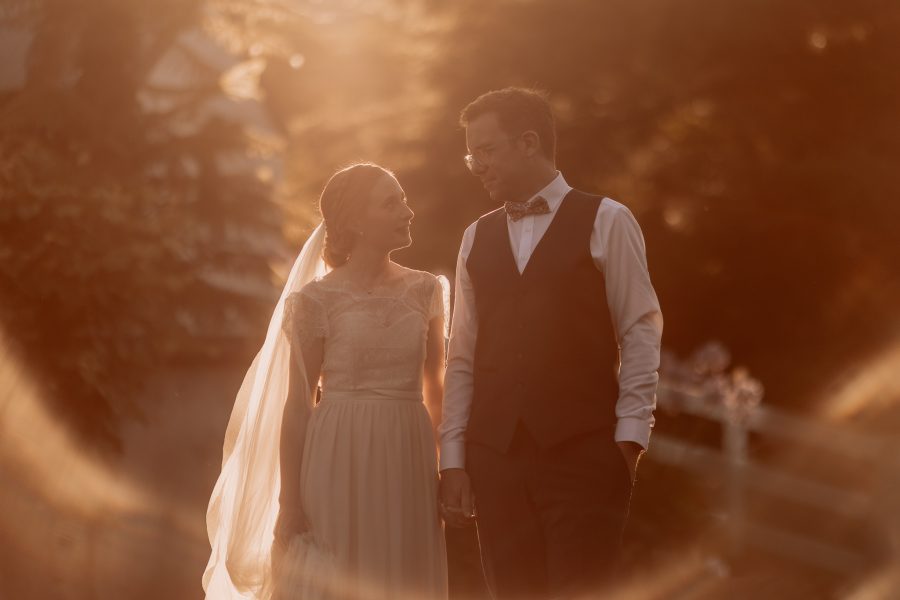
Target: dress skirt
[{"x": 369, "y": 488}]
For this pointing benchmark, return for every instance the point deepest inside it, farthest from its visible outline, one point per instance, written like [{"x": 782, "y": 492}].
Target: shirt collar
[{"x": 554, "y": 192}]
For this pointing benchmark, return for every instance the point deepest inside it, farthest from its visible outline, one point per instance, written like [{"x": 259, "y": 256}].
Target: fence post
[
  {"x": 741, "y": 395},
  {"x": 735, "y": 445}
]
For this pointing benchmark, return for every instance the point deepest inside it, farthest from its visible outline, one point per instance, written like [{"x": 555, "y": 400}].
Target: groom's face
[{"x": 498, "y": 159}]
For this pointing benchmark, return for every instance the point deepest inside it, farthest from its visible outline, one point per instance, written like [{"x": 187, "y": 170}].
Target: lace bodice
[{"x": 372, "y": 341}]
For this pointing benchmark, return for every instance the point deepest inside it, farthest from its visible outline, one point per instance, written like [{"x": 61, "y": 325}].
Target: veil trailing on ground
[{"x": 240, "y": 519}]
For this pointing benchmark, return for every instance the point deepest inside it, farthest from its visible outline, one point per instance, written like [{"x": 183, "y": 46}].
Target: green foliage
[
  {"x": 755, "y": 142},
  {"x": 110, "y": 220}
]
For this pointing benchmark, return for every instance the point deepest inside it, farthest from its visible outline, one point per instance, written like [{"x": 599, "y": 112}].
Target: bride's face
[{"x": 385, "y": 223}]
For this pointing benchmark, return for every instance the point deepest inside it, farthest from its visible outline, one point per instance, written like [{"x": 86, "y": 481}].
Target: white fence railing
[{"x": 703, "y": 388}]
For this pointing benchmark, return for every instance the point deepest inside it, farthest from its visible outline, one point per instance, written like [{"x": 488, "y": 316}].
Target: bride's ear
[{"x": 354, "y": 227}]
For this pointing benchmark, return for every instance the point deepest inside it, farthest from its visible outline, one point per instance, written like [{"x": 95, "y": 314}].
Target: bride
[{"x": 338, "y": 499}]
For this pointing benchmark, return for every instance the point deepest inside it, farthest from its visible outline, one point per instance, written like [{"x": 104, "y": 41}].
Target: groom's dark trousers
[
  {"x": 551, "y": 486},
  {"x": 549, "y": 520}
]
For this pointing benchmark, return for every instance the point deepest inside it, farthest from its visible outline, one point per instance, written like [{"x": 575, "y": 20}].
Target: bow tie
[{"x": 535, "y": 206}]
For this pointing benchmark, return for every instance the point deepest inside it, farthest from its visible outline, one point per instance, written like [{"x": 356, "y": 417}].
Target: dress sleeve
[
  {"x": 305, "y": 319},
  {"x": 439, "y": 300}
]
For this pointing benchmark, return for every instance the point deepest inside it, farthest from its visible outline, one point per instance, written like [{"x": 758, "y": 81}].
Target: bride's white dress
[{"x": 369, "y": 472}]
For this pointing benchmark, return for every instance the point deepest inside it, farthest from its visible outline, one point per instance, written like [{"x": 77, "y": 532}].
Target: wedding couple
[{"x": 542, "y": 411}]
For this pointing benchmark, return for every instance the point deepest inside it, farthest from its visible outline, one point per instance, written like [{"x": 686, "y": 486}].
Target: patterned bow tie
[{"x": 535, "y": 206}]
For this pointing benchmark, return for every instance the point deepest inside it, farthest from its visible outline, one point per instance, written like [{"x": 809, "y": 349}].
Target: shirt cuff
[
  {"x": 453, "y": 455},
  {"x": 633, "y": 429}
]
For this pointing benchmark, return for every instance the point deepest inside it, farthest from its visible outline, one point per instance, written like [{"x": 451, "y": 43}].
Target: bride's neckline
[{"x": 396, "y": 274}]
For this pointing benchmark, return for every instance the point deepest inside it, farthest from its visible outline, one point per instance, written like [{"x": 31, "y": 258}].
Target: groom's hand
[
  {"x": 457, "y": 500},
  {"x": 631, "y": 452}
]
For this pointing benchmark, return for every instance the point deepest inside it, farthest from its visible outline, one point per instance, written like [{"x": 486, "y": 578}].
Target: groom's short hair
[{"x": 518, "y": 110}]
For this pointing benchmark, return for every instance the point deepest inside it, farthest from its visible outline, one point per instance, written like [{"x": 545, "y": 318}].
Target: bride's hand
[{"x": 289, "y": 523}]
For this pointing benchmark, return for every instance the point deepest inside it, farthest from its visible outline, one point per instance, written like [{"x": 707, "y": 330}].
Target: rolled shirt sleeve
[
  {"x": 617, "y": 246},
  {"x": 458, "y": 381}
]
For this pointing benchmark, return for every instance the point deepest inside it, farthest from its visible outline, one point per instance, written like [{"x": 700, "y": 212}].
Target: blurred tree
[
  {"x": 136, "y": 226},
  {"x": 753, "y": 141}
]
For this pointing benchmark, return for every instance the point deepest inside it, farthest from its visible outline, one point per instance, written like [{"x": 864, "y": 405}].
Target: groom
[{"x": 552, "y": 367}]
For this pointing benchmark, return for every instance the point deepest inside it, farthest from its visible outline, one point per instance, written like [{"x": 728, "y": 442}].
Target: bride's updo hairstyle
[{"x": 346, "y": 193}]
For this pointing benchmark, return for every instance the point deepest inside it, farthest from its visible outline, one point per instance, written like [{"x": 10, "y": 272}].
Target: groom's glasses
[
  {"x": 478, "y": 158},
  {"x": 482, "y": 157}
]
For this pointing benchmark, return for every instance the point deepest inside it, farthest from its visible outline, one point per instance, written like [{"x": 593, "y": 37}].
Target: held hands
[
  {"x": 290, "y": 523},
  {"x": 456, "y": 499}
]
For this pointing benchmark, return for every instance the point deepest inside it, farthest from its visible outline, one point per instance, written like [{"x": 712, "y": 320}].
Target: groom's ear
[{"x": 531, "y": 142}]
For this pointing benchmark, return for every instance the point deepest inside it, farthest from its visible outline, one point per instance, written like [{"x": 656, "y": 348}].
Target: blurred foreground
[
  {"x": 79, "y": 526},
  {"x": 159, "y": 164}
]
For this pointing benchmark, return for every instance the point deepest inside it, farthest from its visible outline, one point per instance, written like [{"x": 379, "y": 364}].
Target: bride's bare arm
[
  {"x": 435, "y": 365},
  {"x": 297, "y": 407}
]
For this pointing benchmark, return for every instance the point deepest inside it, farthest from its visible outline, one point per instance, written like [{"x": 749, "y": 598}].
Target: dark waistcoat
[{"x": 546, "y": 353}]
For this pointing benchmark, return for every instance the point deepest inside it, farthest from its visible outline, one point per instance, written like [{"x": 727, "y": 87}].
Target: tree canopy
[{"x": 754, "y": 141}]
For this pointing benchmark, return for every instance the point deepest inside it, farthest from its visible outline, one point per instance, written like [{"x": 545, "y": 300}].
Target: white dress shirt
[{"x": 617, "y": 247}]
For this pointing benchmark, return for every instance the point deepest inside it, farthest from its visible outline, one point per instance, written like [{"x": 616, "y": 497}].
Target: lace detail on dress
[
  {"x": 372, "y": 341},
  {"x": 439, "y": 303},
  {"x": 305, "y": 318}
]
